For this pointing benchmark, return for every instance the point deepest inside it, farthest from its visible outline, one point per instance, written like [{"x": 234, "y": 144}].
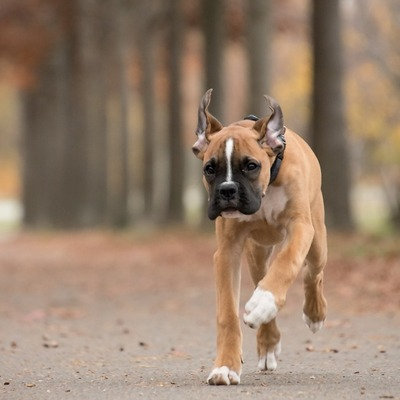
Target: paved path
[{"x": 81, "y": 321}]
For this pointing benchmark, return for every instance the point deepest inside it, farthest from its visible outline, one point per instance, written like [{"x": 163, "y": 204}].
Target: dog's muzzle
[
  {"x": 225, "y": 199},
  {"x": 228, "y": 192},
  {"x": 231, "y": 199}
]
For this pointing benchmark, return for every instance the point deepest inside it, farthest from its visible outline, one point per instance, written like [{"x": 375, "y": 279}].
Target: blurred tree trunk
[
  {"x": 214, "y": 37},
  {"x": 117, "y": 111},
  {"x": 176, "y": 171},
  {"x": 65, "y": 131},
  {"x": 148, "y": 65},
  {"x": 214, "y": 30},
  {"x": 379, "y": 25},
  {"x": 92, "y": 90},
  {"x": 329, "y": 136},
  {"x": 45, "y": 125},
  {"x": 259, "y": 37}
]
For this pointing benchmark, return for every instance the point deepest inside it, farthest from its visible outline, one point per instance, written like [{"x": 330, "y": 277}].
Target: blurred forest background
[{"x": 98, "y": 103}]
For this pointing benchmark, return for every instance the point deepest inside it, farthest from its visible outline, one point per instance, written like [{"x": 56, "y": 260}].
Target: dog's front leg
[
  {"x": 227, "y": 366},
  {"x": 270, "y": 294}
]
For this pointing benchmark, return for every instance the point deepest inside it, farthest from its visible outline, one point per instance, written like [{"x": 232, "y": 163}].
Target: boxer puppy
[{"x": 264, "y": 188}]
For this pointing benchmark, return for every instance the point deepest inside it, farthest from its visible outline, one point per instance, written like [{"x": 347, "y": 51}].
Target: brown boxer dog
[{"x": 264, "y": 187}]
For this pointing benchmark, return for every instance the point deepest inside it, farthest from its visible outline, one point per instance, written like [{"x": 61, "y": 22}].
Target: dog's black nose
[{"x": 228, "y": 190}]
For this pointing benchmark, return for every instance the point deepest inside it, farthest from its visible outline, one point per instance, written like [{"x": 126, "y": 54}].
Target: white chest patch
[
  {"x": 228, "y": 154},
  {"x": 273, "y": 203}
]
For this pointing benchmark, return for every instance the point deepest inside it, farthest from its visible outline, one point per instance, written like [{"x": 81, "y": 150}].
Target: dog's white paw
[
  {"x": 314, "y": 326},
  {"x": 268, "y": 362},
  {"x": 223, "y": 376},
  {"x": 260, "y": 309}
]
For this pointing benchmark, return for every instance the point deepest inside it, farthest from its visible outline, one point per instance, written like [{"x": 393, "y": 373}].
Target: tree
[
  {"x": 176, "y": 167},
  {"x": 214, "y": 38},
  {"x": 65, "y": 155},
  {"x": 148, "y": 66},
  {"x": 213, "y": 26},
  {"x": 90, "y": 93},
  {"x": 375, "y": 91},
  {"x": 259, "y": 30},
  {"x": 328, "y": 121},
  {"x": 116, "y": 45},
  {"x": 45, "y": 118}
]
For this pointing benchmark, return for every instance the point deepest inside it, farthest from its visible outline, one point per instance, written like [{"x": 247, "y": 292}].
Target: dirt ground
[{"x": 98, "y": 315}]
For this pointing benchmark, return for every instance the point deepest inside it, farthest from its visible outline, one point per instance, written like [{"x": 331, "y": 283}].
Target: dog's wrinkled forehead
[{"x": 233, "y": 142}]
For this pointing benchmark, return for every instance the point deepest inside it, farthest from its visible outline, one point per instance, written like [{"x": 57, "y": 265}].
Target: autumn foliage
[{"x": 126, "y": 34}]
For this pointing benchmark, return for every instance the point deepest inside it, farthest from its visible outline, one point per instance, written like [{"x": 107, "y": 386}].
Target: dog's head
[{"x": 237, "y": 159}]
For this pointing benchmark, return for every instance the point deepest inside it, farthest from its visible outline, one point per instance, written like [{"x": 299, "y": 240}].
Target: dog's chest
[{"x": 273, "y": 203}]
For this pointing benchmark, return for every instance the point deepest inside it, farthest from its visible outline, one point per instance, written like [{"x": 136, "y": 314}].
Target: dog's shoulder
[{"x": 300, "y": 167}]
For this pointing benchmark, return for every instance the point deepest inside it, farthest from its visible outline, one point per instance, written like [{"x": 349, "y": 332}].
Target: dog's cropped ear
[
  {"x": 270, "y": 128},
  {"x": 207, "y": 125}
]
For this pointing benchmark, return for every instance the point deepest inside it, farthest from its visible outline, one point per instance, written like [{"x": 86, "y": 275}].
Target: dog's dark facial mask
[
  {"x": 232, "y": 177},
  {"x": 237, "y": 159}
]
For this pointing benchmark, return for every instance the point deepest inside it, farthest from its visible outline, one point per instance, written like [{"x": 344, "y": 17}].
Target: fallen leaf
[
  {"x": 333, "y": 350},
  {"x": 50, "y": 345},
  {"x": 381, "y": 349}
]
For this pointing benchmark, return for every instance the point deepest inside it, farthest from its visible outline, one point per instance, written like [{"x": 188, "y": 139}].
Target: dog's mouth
[
  {"x": 238, "y": 207},
  {"x": 231, "y": 213}
]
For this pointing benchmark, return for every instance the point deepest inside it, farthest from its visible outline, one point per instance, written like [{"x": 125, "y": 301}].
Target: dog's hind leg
[
  {"x": 268, "y": 335},
  {"x": 315, "y": 305},
  {"x": 268, "y": 345}
]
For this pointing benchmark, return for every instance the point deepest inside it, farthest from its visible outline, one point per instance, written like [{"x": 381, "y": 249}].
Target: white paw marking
[
  {"x": 260, "y": 309},
  {"x": 223, "y": 376},
  {"x": 314, "y": 326},
  {"x": 268, "y": 362}
]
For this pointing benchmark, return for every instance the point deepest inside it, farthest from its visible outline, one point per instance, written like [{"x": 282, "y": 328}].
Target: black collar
[
  {"x": 275, "y": 168},
  {"x": 278, "y": 160}
]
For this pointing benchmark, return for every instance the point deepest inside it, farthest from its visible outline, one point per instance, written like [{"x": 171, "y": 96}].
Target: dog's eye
[
  {"x": 251, "y": 166},
  {"x": 209, "y": 170}
]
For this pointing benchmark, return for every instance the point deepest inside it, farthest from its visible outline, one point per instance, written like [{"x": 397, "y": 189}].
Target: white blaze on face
[{"x": 228, "y": 153}]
